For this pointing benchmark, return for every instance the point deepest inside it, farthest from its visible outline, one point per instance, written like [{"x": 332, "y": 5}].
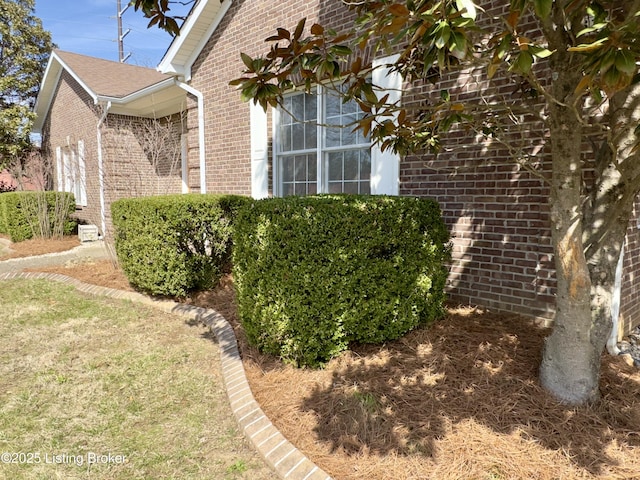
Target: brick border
[{"x": 282, "y": 456}]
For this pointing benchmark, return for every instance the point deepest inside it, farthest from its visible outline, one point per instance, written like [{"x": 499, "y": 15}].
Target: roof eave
[
  {"x": 156, "y": 87},
  {"x": 181, "y": 54},
  {"x": 48, "y": 85}
]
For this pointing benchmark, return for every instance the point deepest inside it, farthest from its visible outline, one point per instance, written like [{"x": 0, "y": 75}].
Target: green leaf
[
  {"x": 588, "y": 47},
  {"x": 625, "y": 62},
  {"x": 593, "y": 28},
  {"x": 444, "y": 32},
  {"x": 542, "y": 8},
  {"x": 341, "y": 50},
  {"x": 458, "y": 45},
  {"x": 522, "y": 63},
  {"x": 467, "y": 7},
  {"x": 540, "y": 52},
  {"x": 248, "y": 61}
]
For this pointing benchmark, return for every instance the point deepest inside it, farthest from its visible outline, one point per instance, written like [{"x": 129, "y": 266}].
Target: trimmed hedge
[
  {"x": 174, "y": 244},
  {"x": 315, "y": 273},
  {"x": 25, "y": 215}
]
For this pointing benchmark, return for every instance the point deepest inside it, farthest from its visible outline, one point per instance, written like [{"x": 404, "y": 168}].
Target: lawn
[{"x": 104, "y": 389}]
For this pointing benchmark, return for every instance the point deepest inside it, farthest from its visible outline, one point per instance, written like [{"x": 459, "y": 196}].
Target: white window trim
[
  {"x": 81, "y": 177},
  {"x": 71, "y": 171},
  {"x": 322, "y": 179},
  {"x": 385, "y": 166}
]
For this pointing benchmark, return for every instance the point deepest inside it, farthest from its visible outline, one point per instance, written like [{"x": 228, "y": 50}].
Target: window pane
[
  {"x": 287, "y": 189},
  {"x": 301, "y": 168},
  {"x": 297, "y": 134},
  {"x": 350, "y": 107},
  {"x": 301, "y": 189},
  {"x": 287, "y": 169},
  {"x": 311, "y": 108},
  {"x": 297, "y": 107},
  {"x": 335, "y": 166},
  {"x": 365, "y": 164},
  {"x": 312, "y": 167},
  {"x": 332, "y": 137},
  {"x": 310, "y": 135},
  {"x": 335, "y": 187},
  {"x": 348, "y": 135},
  {"x": 284, "y": 138},
  {"x": 351, "y": 165},
  {"x": 285, "y": 118},
  {"x": 365, "y": 188},
  {"x": 332, "y": 105},
  {"x": 351, "y": 187}
]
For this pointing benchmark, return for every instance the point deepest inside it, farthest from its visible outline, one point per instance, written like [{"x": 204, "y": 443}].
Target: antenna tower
[{"x": 121, "y": 56}]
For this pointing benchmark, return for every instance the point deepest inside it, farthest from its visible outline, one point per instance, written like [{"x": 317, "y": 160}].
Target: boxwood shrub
[
  {"x": 25, "y": 215},
  {"x": 315, "y": 273},
  {"x": 174, "y": 244}
]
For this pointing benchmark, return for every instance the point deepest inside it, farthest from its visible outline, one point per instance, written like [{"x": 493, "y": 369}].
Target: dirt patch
[{"x": 459, "y": 399}]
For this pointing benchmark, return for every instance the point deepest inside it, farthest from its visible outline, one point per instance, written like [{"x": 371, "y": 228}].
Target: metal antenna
[{"x": 121, "y": 35}]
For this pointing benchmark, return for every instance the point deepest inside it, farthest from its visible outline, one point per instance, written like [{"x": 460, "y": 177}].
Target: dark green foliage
[
  {"x": 174, "y": 244},
  {"x": 25, "y": 215},
  {"x": 315, "y": 273}
]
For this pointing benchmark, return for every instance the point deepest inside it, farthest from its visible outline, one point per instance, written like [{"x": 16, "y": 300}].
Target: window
[
  {"x": 316, "y": 149},
  {"x": 70, "y": 165},
  {"x": 309, "y": 157}
]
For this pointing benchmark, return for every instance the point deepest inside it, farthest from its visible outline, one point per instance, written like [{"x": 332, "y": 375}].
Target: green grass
[{"x": 82, "y": 376}]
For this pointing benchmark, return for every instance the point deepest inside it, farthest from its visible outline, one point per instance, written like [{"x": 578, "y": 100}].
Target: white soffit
[{"x": 194, "y": 35}]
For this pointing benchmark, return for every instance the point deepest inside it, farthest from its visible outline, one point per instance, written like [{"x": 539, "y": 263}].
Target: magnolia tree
[
  {"x": 24, "y": 51},
  {"x": 576, "y": 58}
]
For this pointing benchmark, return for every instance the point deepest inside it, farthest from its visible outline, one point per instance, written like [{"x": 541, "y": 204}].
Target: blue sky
[{"x": 90, "y": 27}]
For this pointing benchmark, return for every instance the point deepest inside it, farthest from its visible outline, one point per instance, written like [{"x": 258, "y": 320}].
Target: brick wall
[
  {"x": 497, "y": 210},
  {"x": 630, "y": 294},
  {"x": 141, "y": 157},
  {"x": 244, "y": 28},
  {"x": 72, "y": 118}
]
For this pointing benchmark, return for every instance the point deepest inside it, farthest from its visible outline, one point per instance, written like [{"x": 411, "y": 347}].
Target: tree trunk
[
  {"x": 571, "y": 359},
  {"x": 606, "y": 217}
]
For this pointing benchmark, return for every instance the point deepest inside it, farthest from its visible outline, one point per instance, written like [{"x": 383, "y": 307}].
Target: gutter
[
  {"x": 612, "y": 342},
  {"x": 201, "y": 137},
  {"x": 103, "y": 211},
  {"x": 156, "y": 87}
]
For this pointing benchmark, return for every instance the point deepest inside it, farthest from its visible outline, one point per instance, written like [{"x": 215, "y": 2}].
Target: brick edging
[{"x": 280, "y": 454}]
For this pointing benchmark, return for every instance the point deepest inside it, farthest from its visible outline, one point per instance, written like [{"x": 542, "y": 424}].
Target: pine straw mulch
[
  {"x": 38, "y": 246},
  {"x": 457, "y": 400}
]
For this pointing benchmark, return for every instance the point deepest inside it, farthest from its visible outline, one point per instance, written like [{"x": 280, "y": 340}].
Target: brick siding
[
  {"x": 132, "y": 166},
  {"x": 497, "y": 210}
]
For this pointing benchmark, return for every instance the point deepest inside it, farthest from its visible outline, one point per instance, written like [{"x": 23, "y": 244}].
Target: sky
[{"x": 90, "y": 27}]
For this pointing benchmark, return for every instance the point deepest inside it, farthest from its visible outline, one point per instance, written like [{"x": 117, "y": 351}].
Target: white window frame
[
  {"x": 321, "y": 151},
  {"x": 385, "y": 166},
  {"x": 71, "y": 171}
]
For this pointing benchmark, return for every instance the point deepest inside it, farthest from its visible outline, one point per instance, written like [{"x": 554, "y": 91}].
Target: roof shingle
[{"x": 108, "y": 78}]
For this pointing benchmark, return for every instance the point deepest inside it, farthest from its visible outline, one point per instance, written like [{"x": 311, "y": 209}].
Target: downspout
[
  {"x": 201, "y": 137},
  {"x": 612, "y": 342},
  {"x": 103, "y": 211}
]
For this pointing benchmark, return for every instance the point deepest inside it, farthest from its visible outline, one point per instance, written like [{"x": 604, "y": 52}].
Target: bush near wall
[
  {"x": 315, "y": 273},
  {"x": 174, "y": 244},
  {"x": 25, "y": 215}
]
